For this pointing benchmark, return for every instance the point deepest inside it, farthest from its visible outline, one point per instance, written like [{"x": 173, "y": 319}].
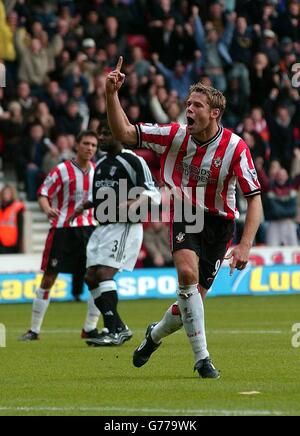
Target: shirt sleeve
[
  {"x": 245, "y": 171},
  {"x": 156, "y": 137},
  {"x": 52, "y": 184},
  {"x": 145, "y": 180}
]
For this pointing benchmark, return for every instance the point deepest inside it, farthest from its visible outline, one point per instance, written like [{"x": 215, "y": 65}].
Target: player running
[
  {"x": 65, "y": 188},
  {"x": 199, "y": 154},
  {"x": 116, "y": 244}
]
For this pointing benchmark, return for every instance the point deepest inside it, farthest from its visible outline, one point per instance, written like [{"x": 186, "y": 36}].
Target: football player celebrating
[
  {"x": 206, "y": 155},
  {"x": 115, "y": 244}
]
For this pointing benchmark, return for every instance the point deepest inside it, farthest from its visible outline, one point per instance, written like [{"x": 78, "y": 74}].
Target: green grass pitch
[{"x": 250, "y": 340}]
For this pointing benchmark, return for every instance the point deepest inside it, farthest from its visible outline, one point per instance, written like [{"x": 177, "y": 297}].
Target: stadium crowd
[{"x": 58, "y": 53}]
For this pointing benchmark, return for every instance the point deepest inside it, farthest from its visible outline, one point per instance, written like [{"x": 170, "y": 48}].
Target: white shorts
[{"x": 115, "y": 245}]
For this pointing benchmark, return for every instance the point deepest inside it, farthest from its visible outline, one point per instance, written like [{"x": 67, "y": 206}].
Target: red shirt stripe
[
  {"x": 67, "y": 187},
  {"x": 215, "y": 169}
]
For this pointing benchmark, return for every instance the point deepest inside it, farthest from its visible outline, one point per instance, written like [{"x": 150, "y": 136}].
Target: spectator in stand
[
  {"x": 7, "y": 29},
  {"x": 134, "y": 113},
  {"x": 247, "y": 125},
  {"x": 30, "y": 160},
  {"x": 112, "y": 34},
  {"x": 11, "y": 221},
  {"x": 172, "y": 41},
  {"x": 169, "y": 112},
  {"x": 121, "y": 11},
  {"x": 45, "y": 119},
  {"x": 179, "y": 80},
  {"x": 89, "y": 48},
  {"x": 215, "y": 48},
  {"x": 92, "y": 27},
  {"x": 282, "y": 122},
  {"x": 244, "y": 43},
  {"x": 288, "y": 24},
  {"x": 36, "y": 61},
  {"x": 12, "y": 126},
  {"x": 83, "y": 109},
  {"x": 76, "y": 78},
  {"x": 61, "y": 152},
  {"x": 260, "y": 123},
  {"x": 27, "y": 102},
  {"x": 280, "y": 206},
  {"x": 270, "y": 47},
  {"x": 238, "y": 102},
  {"x": 156, "y": 242},
  {"x": 98, "y": 107},
  {"x": 275, "y": 167},
  {"x": 256, "y": 144},
  {"x": 140, "y": 64},
  {"x": 71, "y": 121},
  {"x": 262, "y": 79}
]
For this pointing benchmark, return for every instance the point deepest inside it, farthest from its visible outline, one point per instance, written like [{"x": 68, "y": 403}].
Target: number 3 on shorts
[{"x": 116, "y": 246}]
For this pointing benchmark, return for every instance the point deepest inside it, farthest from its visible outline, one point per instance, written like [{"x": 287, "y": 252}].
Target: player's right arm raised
[{"x": 121, "y": 128}]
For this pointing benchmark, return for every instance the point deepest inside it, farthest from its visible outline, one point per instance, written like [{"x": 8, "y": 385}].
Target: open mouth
[{"x": 190, "y": 121}]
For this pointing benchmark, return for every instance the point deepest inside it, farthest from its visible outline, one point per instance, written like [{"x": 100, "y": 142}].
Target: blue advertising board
[{"x": 161, "y": 283}]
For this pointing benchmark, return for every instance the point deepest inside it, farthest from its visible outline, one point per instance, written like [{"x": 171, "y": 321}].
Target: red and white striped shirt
[
  {"x": 217, "y": 166},
  {"x": 67, "y": 187}
]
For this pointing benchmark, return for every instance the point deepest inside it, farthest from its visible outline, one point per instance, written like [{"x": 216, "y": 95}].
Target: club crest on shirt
[
  {"x": 180, "y": 238},
  {"x": 113, "y": 171},
  {"x": 218, "y": 162}
]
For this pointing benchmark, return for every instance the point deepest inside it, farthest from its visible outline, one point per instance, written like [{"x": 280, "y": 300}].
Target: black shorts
[
  {"x": 65, "y": 250},
  {"x": 210, "y": 245}
]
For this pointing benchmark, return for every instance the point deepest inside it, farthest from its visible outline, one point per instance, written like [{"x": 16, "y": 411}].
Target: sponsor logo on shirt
[
  {"x": 107, "y": 183},
  {"x": 202, "y": 176}
]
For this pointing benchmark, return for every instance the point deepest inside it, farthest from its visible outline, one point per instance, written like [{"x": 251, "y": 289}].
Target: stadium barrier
[{"x": 272, "y": 272}]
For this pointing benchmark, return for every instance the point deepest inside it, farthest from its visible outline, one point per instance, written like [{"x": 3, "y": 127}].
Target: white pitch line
[
  {"x": 216, "y": 332},
  {"x": 187, "y": 412}
]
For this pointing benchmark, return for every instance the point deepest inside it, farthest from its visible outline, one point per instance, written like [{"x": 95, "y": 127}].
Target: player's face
[
  {"x": 107, "y": 142},
  {"x": 87, "y": 147},
  {"x": 199, "y": 113}
]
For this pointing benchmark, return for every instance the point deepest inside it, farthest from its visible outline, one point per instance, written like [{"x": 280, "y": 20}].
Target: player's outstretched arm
[{"x": 121, "y": 128}]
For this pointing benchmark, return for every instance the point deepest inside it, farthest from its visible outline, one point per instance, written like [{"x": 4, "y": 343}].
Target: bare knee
[
  {"x": 91, "y": 279},
  {"x": 187, "y": 275},
  {"x": 97, "y": 275},
  {"x": 187, "y": 265}
]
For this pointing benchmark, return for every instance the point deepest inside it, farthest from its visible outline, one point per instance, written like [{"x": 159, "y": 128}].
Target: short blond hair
[{"x": 215, "y": 98}]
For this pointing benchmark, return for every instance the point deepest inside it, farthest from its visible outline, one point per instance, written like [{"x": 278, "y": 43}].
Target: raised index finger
[{"x": 120, "y": 63}]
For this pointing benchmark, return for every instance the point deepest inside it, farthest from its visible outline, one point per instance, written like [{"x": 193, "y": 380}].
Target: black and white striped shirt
[{"x": 122, "y": 173}]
